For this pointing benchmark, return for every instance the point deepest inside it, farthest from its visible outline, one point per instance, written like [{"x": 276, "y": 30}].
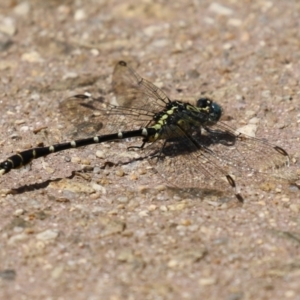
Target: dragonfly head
[{"x": 214, "y": 110}]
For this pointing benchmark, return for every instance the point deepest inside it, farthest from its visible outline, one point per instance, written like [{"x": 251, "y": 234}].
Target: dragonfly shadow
[{"x": 185, "y": 145}]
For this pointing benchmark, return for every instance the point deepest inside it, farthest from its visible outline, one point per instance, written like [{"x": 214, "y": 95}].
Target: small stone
[
  {"x": 294, "y": 208},
  {"x": 79, "y": 15},
  {"x": 19, "y": 212},
  {"x": 8, "y": 26},
  {"x": 100, "y": 154},
  {"x": 17, "y": 238},
  {"x": 249, "y": 129},
  {"x": 98, "y": 188},
  {"x": 133, "y": 176},
  {"x": 22, "y": 9},
  {"x": 193, "y": 228},
  {"x": 151, "y": 30},
  {"x": 86, "y": 161},
  {"x": 123, "y": 199},
  {"x": 70, "y": 75},
  {"x": 57, "y": 272},
  {"x": 160, "y": 43},
  {"x": 289, "y": 294},
  {"x": 207, "y": 281},
  {"x": 235, "y": 22},
  {"x": 142, "y": 171},
  {"x": 220, "y": 9},
  {"x": 144, "y": 213},
  {"x": 120, "y": 173},
  {"x": 160, "y": 187},
  {"x": 185, "y": 222},
  {"x": 163, "y": 208},
  {"x": 19, "y": 122},
  {"x": 32, "y": 57},
  {"x": 266, "y": 93},
  {"x": 227, "y": 46},
  {"x": 35, "y": 96},
  {"x": 173, "y": 263},
  {"x": 47, "y": 235},
  {"x": 113, "y": 227},
  {"x": 76, "y": 160},
  {"x": 95, "y": 52},
  {"x": 177, "y": 207},
  {"x": 125, "y": 256},
  {"x": 152, "y": 207},
  {"x": 64, "y": 10}
]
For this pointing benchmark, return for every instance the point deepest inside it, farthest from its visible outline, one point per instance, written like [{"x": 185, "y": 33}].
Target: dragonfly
[{"x": 188, "y": 145}]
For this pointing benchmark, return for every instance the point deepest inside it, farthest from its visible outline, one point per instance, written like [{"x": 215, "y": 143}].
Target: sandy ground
[{"x": 120, "y": 233}]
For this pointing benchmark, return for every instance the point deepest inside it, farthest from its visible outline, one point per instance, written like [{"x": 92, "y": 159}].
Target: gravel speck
[{"x": 47, "y": 235}]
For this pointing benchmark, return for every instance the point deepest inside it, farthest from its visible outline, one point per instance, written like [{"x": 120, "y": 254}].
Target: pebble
[
  {"x": 19, "y": 212},
  {"x": 120, "y": 173},
  {"x": 193, "y": 228},
  {"x": 289, "y": 294},
  {"x": 125, "y": 255},
  {"x": 207, "y": 281},
  {"x": 143, "y": 213},
  {"x": 160, "y": 187},
  {"x": 98, "y": 188},
  {"x": 75, "y": 160},
  {"x": 86, "y": 161},
  {"x": 18, "y": 237},
  {"x": 100, "y": 154},
  {"x": 133, "y": 176},
  {"x": 8, "y": 26},
  {"x": 35, "y": 96},
  {"x": 47, "y": 235},
  {"x": 123, "y": 199},
  {"x": 227, "y": 46},
  {"x": 79, "y": 15},
  {"x": 235, "y": 22},
  {"x": 177, "y": 207},
  {"x": 22, "y": 9},
  {"x": 151, "y": 30},
  {"x": 32, "y": 57},
  {"x": 70, "y": 75},
  {"x": 152, "y": 207},
  {"x": 19, "y": 122},
  {"x": 23, "y": 128},
  {"x": 163, "y": 208},
  {"x": 220, "y": 9},
  {"x": 294, "y": 208},
  {"x": 266, "y": 93},
  {"x": 173, "y": 263},
  {"x": 160, "y": 43},
  {"x": 113, "y": 227},
  {"x": 249, "y": 129},
  {"x": 95, "y": 52},
  {"x": 57, "y": 272}
]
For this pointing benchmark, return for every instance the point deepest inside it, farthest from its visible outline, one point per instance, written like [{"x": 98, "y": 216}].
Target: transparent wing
[
  {"x": 136, "y": 92},
  {"x": 80, "y": 112},
  {"x": 247, "y": 153},
  {"x": 138, "y": 101},
  {"x": 216, "y": 159},
  {"x": 184, "y": 162}
]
